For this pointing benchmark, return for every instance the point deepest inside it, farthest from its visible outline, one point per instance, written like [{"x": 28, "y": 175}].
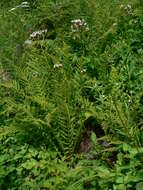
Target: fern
[{"x": 47, "y": 99}]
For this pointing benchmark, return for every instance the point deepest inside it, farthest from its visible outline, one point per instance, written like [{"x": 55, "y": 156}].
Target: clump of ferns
[{"x": 46, "y": 100}]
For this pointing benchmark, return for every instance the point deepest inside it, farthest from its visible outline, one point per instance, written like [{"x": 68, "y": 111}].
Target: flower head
[
  {"x": 128, "y": 8},
  {"x": 79, "y": 25},
  {"x": 57, "y": 66},
  {"x": 38, "y": 33},
  {"x": 83, "y": 70}
]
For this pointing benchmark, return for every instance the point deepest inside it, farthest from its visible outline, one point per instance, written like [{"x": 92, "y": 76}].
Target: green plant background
[{"x": 94, "y": 99}]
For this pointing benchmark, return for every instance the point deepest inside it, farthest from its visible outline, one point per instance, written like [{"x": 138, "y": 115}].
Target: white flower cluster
[
  {"x": 33, "y": 35},
  {"x": 24, "y": 4},
  {"x": 83, "y": 70},
  {"x": 57, "y": 66},
  {"x": 38, "y": 33},
  {"x": 127, "y": 8},
  {"x": 79, "y": 25}
]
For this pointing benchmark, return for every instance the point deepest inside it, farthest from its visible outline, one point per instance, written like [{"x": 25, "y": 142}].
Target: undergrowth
[{"x": 71, "y": 95}]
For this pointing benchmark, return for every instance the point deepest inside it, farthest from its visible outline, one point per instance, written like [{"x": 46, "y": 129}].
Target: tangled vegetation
[{"x": 71, "y": 95}]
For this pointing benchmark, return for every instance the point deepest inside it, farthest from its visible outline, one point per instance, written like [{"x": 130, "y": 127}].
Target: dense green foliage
[{"x": 71, "y": 99}]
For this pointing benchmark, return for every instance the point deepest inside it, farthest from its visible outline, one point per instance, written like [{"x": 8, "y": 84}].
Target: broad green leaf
[{"x": 93, "y": 137}]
